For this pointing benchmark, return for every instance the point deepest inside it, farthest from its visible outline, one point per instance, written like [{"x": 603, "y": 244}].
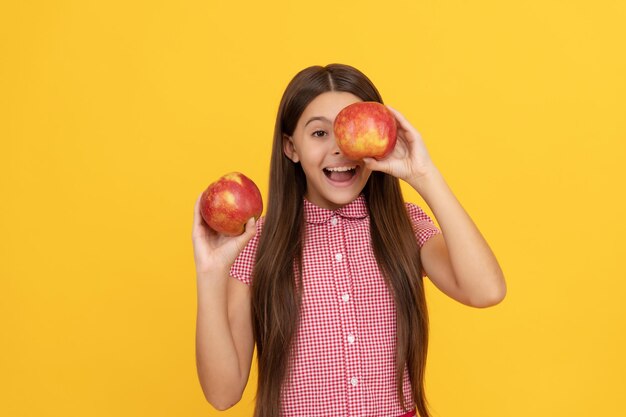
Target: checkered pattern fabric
[{"x": 343, "y": 356}]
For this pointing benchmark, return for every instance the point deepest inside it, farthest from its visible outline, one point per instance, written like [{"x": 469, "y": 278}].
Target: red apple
[
  {"x": 365, "y": 129},
  {"x": 228, "y": 203}
]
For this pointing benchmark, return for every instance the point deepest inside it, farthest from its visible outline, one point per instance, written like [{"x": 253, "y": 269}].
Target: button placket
[{"x": 343, "y": 285}]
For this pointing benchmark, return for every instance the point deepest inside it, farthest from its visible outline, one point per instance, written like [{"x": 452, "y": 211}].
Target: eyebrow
[{"x": 317, "y": 118}]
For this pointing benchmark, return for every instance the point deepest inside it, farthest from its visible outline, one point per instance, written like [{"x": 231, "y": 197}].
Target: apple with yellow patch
[
  {"x": 228, "y": 203},
  {"x": 365, "y": 129}
]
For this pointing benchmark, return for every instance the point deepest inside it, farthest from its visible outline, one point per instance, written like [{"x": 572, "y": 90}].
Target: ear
[{"x": 290, "y": 149}]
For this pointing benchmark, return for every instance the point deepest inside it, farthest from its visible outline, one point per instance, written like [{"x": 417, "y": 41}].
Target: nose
[{"x": 335, "y": 147}]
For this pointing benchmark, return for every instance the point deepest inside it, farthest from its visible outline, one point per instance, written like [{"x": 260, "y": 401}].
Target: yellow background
[{"x": 115, "y": 115}]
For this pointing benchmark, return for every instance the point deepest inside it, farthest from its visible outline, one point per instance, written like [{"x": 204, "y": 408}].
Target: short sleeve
[
  {"x": 423, "y": 227},
  {"x": 244, "y": 263}
]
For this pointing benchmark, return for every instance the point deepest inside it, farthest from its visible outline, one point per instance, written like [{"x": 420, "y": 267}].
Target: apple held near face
[
  {"x": 228, "y": 203},
  {"x": 365, "y": 129}
]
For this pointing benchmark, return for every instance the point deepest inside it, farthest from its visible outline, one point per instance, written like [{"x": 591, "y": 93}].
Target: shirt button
[
  {"x": 350, "y": 338},
  {"x": 333, "y": 221},
  {"x": 345, "y": 297},
  {"x": 354, "y": 381},
  {"x": 338, "y": 257}
]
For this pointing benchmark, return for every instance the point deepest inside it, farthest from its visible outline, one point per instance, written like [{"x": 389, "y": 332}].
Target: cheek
[
  {"x": 366, "y": 174},
  {"x": 310, "y": 167},
  {"x": 312, "y": 155}
]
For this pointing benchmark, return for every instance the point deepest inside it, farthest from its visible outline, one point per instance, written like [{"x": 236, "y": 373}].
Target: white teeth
[{"x": 340, "y": 169}]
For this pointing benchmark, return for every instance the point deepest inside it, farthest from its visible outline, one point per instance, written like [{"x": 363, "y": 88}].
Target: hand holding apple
[
  {"x": 228, "y": 203},
  {"x": 215, "y": 252},
  {"x": 365, "y": 129},
  {"x": 409, "y": 159}
]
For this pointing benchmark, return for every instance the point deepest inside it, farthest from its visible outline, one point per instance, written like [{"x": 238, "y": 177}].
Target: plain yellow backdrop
[{"x": 115, "y": 115}]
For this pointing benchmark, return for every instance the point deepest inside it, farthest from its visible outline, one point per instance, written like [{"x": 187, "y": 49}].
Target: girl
[{"x": 329, "y": 284}]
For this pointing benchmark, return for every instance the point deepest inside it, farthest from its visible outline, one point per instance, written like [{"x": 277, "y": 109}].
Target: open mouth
[{"x": 341, "y": 174}]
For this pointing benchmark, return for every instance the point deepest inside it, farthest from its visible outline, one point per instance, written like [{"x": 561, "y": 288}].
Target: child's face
[{"x": 333, "y": 180}]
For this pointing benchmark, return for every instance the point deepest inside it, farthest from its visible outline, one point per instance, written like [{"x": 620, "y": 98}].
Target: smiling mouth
[{"x": 341, "y": 174}]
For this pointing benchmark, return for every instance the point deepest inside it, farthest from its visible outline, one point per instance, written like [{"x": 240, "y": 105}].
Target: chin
[
  {"x": 342, "y": 200},
  {"x": 337, "y": 198}
]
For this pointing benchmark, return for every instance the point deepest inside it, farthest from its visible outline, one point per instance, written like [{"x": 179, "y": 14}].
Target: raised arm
[
  {"x": 224, "y": 340},
  {"x": 458, "y": 261}
]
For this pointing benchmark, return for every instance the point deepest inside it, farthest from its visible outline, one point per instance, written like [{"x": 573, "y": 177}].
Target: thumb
[
  {"x": 373, "y": 164},
  {"x": 240, "y": 242},
  {"x": 249, "y": 232}
]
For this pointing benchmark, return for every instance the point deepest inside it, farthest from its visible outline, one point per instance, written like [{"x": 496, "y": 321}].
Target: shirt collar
[{"x": 357, "y": 209}]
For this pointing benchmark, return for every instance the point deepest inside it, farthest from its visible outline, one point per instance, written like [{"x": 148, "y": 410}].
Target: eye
[{"x": 319, "y": 133}]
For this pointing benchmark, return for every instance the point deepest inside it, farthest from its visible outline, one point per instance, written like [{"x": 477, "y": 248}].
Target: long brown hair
[{"x": 277, "y": 275}]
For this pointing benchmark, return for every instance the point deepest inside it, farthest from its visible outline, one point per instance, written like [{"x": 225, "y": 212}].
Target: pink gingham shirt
[{"x": 343, "y": 358}]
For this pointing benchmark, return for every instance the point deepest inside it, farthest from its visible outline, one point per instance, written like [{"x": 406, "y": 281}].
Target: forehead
[{"x": 328, "y": 105}]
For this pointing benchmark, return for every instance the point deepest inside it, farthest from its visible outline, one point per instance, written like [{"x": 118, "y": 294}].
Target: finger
[
  {"x": 250, "y": 225},
  {"x": 397, "y": 114},
  {"x": 197, "y": 217},
  {"x": 199, "y": 224},
  {"x": 374, "y": 165},
  {"x": 404, "y": 124},
  {"x": 249, "y": 232}
]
